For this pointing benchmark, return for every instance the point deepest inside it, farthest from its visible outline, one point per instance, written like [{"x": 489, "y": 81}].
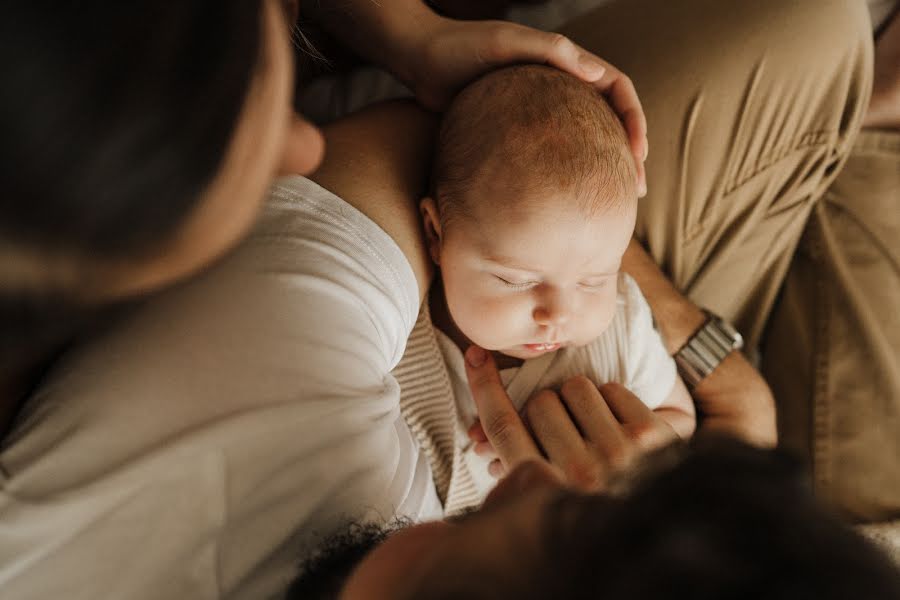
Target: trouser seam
[
  {"x": 820, "y": 359},
  {"x": 810, "y": 139}
]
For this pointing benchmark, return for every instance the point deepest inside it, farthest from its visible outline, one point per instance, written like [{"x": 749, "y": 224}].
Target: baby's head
[{"x": 534, "y": 196}]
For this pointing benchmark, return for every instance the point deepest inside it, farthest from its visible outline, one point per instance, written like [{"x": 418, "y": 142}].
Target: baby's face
[{"x": 529, "y": 281}]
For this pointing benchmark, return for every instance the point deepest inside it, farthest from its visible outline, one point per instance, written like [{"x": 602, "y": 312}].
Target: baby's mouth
[{"x": 548, "y": 347}]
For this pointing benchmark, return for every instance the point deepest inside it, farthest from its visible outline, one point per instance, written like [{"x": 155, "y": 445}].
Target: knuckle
[
  {"x": 496, "y": 44},
  {"x": 539, "y": 405},
  {"x": 627, "y": 82},
  {"x": 583, "y": 474},
  {"x": 619, "y": 456},
  {"x": 501, "y": 427},
  {"x": 561, "y": 42},
  {"x": 481, "y": 378},
  {"x": 648, "y": 436}
]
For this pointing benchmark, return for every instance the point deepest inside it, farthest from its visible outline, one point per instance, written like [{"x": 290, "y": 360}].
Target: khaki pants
[
  {"x": 833, "y": 346},
  {"x": 753, "y": 109}
]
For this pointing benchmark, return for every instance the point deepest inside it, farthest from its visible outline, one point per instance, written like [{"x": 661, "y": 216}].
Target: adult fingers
[
  {"x": 561, "y": 441},
  {"x": 642, "y": 424},
  {"x": 622, "y": 96},
  {"x": 513, "y": 43},
  {"x": 498, "y": 416},
  {"x": 595, "y": 419}
]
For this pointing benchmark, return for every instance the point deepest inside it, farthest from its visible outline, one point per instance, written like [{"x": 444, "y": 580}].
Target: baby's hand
[{"x": 482, "y": 447}]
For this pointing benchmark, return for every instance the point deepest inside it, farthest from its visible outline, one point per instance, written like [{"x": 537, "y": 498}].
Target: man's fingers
[
  {"x": 627, "y": 407},
  {"x": 593, "y": 416},
  {"x": 498, "y": 417},
  {"x": 561, "y": 441},
  {"x": 644, "y": 427},
  {"x": 642, "y": 178},
  {"x": 622, "y": 96},
  {"x": 513, "y": 43}
]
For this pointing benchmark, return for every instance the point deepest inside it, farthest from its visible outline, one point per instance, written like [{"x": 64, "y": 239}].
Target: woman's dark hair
[{"x": 114, "y": 117}]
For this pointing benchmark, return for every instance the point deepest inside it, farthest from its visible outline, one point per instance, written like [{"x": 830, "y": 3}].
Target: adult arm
[{"x": 734, "y": 398}]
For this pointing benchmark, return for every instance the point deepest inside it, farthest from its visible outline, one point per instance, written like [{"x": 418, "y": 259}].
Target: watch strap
[{"x": 706, "y": 349}]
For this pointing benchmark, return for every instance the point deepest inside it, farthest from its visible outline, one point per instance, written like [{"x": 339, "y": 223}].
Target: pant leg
[
  {"x": 752, "y": 108},
  {"x": 833, "y": 345}
]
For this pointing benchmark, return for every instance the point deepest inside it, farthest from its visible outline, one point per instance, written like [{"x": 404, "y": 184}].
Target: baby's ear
[{"x": 431, "y": 221}]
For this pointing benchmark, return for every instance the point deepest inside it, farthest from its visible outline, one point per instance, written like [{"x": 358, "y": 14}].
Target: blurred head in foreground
[{"x": 715, "y": 520}]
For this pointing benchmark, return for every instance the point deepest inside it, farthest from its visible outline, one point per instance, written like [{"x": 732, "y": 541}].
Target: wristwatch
[{"x": 708, "y": 347}]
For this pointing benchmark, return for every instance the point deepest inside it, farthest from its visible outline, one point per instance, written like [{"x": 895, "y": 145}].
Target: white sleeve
[
  {"x": 223, "y": 424},
  {"x": 650, "y": 371}
]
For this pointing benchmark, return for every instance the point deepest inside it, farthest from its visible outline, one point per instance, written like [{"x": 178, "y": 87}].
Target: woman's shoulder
[{"x": 377, "y": 161}]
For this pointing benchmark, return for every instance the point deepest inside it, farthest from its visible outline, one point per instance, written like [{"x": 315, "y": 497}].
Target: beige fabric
[
  {"x": 834, "y": 342},
  {"x": 749, "y": 119},
  {"x": 427, "y": 404}
]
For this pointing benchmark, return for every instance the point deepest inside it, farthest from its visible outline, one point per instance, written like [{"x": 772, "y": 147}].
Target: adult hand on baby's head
[
  {"x": 449, "y": 54},
  {"x": 586, "y": 432}
]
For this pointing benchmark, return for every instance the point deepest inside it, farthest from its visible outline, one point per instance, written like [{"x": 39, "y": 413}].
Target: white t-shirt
[{"x": 214, "y": 434}]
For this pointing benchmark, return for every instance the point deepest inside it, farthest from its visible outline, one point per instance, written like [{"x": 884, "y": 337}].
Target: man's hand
[
  {"x": 452, "y": 53},
  {"x": 585, "y": 432},
  {"x": 436, "y": 56}
]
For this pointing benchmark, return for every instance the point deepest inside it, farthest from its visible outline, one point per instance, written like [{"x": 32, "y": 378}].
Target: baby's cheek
[
  {"x": 601, "y": 315},
  {"x": 486, "y": 319}
]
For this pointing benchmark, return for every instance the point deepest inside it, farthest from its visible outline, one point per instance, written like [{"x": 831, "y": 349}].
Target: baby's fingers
[
  {"x": 485, "y": 450},
  {"x": 476, "y": 432},
  {"x": 496, "y": 468}
]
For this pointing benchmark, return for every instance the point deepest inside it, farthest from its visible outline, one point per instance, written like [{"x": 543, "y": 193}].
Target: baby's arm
[
  {"x": 678, "y": 410},
  {"x": 649, "y": 367}
]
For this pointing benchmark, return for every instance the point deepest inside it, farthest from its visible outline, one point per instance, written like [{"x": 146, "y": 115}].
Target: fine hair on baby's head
[{"x": 531, "y": 131}]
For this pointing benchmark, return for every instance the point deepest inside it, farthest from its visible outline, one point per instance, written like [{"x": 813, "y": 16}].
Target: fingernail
[
  {"x": 646, "y": 149},
  {"x": 591, "y": 66},
  {"x": 642, "y": 189},
  {"x": 476, "y": 356}
]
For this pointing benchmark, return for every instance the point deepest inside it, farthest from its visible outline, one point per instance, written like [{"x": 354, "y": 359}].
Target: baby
[{"x": 534, "y": 200}]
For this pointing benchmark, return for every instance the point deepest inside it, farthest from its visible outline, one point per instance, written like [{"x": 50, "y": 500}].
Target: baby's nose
[{"x": 551, "y": 316}]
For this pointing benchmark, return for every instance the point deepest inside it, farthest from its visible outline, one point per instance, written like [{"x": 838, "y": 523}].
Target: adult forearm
[
  {"x": 734, "y": 398},
  {"x": 386, "y": 32}
]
